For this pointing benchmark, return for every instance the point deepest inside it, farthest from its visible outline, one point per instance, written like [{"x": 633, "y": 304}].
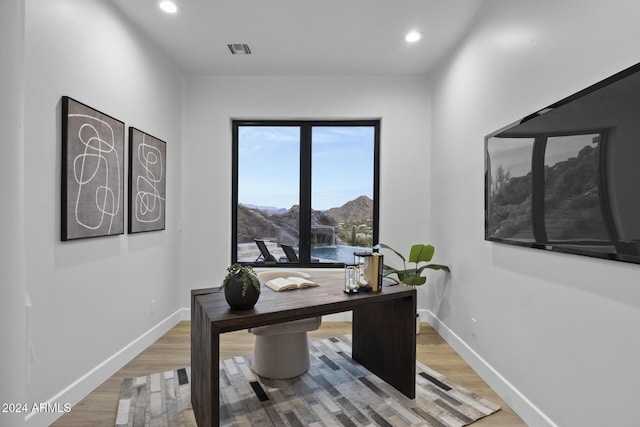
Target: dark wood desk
[{"x": 383, "y": 329}]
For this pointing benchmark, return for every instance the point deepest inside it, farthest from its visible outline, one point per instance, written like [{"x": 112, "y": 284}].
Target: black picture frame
[
  {"x": 147, "y": 182},
  {"x": 92, "y": 182}
]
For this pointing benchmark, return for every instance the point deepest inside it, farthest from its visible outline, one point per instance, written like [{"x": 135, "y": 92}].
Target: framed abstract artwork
[
  {"x": 147, "y": 182},
  {"x": 92, "y": 172}
]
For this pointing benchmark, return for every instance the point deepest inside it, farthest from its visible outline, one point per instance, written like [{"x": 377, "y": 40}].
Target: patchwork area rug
[{"x": 336, "y": 391}]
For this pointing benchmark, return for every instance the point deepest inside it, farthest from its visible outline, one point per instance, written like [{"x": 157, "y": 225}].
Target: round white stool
[{"x": 282, "y": 350}]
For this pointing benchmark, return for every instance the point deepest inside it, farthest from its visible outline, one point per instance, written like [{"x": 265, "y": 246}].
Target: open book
[{"x": 283, "y": 284}]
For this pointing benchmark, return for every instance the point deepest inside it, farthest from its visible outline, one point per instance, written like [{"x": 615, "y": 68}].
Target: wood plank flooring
[{"x": 172, "y": 351}]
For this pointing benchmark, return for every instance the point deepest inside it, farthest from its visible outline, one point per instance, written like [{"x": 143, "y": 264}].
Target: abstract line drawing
[
  {"x": 147, "y": 182},
  {"x": 92, "y": 172}
]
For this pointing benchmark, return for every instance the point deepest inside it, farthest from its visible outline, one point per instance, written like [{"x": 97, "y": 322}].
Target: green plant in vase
[
  {"x": 420, "y": 256},
  {"x": 241, "y": 287}
]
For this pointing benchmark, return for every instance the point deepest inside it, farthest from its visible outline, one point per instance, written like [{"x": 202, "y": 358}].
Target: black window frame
[{"x": 306, "y": 127}]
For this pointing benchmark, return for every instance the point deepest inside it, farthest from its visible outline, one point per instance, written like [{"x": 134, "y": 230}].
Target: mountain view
[{"x": 349, "y": 224}]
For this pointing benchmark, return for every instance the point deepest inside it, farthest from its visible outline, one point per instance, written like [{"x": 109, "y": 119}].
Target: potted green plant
[
  {"x": 241, "y": 287},
  {"x": 420, "y": 255}
]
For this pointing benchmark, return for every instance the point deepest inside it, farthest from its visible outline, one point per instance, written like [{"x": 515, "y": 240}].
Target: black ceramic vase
[{"x": 233, "y": 293}]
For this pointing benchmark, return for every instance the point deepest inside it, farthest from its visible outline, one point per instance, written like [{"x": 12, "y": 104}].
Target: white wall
[
  {"x": 556, "y": 334},
  {"x": 550, "y": 327},
  {"x": 91, "y": 298},
  {"x": 211, "y": 103},
  {"x": 12, "y": 262}
]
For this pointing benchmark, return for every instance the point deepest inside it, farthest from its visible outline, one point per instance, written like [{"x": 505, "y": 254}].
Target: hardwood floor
[{"x": 172, "y": 351}]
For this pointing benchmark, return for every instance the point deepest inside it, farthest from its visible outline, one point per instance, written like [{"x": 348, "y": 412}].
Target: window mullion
[{"x": 305, "y": 195}]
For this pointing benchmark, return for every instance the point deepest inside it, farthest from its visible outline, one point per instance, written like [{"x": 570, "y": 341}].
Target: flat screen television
[{"x": 567, "y": 178}]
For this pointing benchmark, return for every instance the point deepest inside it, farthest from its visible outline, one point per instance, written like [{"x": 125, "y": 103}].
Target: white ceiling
[{"x": 304, "y": 37}]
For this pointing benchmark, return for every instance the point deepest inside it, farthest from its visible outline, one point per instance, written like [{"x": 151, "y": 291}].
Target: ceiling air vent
[{"x": 239, "y": 48}]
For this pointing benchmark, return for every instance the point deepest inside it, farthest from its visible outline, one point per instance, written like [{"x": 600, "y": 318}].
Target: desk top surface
[{"x": 274, "y": 307}]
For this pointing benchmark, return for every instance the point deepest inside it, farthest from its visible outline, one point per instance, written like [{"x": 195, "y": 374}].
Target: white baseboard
[
  {"x": 522, "y": 406},
  {"x": 79, "y": 389}
]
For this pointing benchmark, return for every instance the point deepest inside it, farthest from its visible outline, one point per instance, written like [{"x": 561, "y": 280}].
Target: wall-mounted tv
[{"x": 567, "y": 178}]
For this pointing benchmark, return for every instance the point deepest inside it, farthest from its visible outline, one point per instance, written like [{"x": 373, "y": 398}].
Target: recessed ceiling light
[
  {"x": 413, "y": 36},
  {"x": 168, "y": 6}
]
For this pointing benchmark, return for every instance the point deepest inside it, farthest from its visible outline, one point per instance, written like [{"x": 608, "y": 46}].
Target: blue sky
[{"x": 269, "y": 165}]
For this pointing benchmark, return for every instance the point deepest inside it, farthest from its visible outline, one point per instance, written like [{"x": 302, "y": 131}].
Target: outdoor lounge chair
[
  {"x": 290, "y": 253},
  {"x": 265, "y": 255}
]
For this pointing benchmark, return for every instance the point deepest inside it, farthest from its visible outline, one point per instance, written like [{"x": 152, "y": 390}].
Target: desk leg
[
  {"x": 384, "y": 341},
  {"x": 205, "y": 372}
]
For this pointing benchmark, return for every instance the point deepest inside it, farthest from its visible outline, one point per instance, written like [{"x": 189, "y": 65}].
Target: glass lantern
[
  {"x": 351, "y": 274},
  {"x": 361, "y": 260}
]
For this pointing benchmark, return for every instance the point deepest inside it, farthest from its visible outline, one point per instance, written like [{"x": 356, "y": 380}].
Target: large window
[{"x": 304, "y": 192}]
